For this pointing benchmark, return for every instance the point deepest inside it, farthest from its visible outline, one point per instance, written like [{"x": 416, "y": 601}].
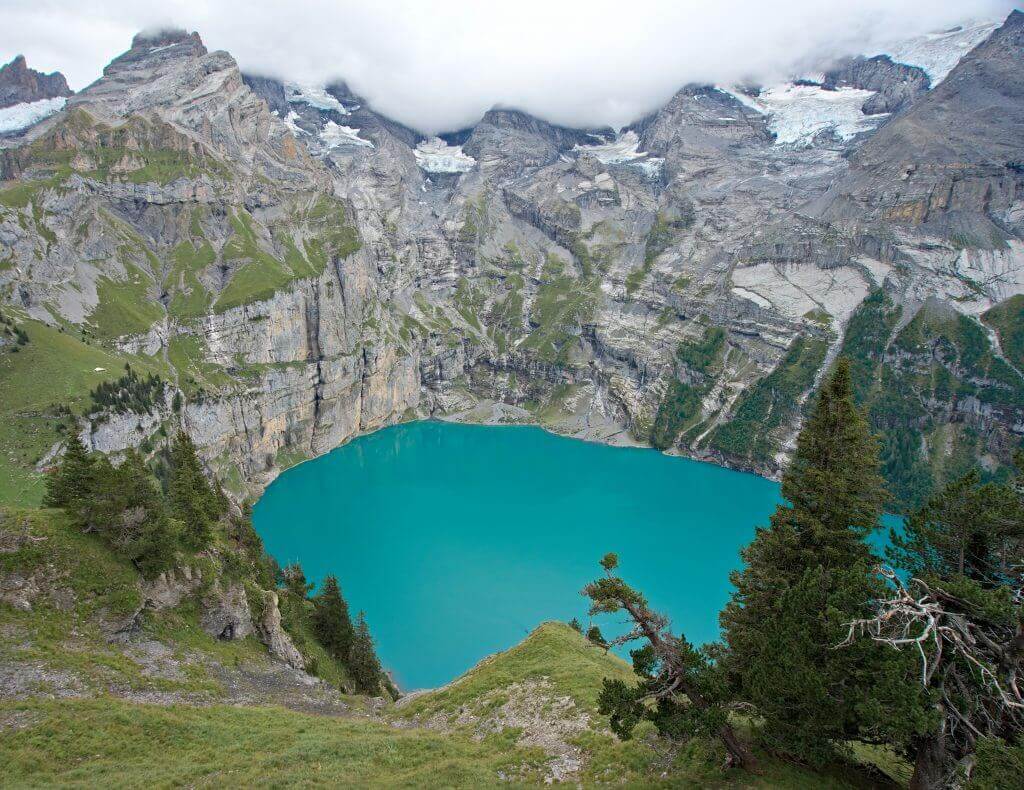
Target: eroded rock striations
[{"x": 306, "y": 269}]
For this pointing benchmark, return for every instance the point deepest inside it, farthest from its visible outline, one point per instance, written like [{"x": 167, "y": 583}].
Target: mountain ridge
[{"x": 314, "y": 276}]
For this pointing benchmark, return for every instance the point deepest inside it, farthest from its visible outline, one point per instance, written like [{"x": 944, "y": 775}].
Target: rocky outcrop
[
  {"x": 225, "y": 611},
  {"x": 947, "y": 165},
  {"x": 894, "y": 85},
  {"x": 511, "y": 140},
  {"x": 20, "y": 84},
  {"x": 269, "y": 630},
  {"x": 170, "y": 588}
]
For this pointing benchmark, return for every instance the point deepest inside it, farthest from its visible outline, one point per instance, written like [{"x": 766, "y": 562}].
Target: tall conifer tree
[
  {"x": 362, "y": 660},
  {"x": 193, "y": 501},
  {"x": 73, "y": 477},
  {"x": 805, "y": 577},
  {"x": 331, "y": 621}
]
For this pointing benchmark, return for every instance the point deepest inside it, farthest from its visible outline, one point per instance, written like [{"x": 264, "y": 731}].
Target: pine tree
[
  {"x": 124, "y": 506},
  {"x": 193, "y": 501},
  {"x": 966, "y": 529},
  {"x": 143, "y": 533},
  {"x": 964, "y": 551},
  {"x": 594, "y": 635},
  {"x": 295, "y": 581},
  {"x": 575, "y": 625},
  {"x": 73, "y": 478},
  {"x": 362, "y": 659},
  {"x": 834, "y": 486},
  {"x": 805, "y": 577},
  {"x": 680, "y": 689},
  {"x": 331, "y": 622}
]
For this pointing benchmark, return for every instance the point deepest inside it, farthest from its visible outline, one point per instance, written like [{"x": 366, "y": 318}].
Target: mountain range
[{"x": 294, "y": 268}]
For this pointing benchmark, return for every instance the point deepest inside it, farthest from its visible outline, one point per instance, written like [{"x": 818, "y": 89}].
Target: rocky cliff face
[
  {"x": 303, "y": 269},
  {"x": 19, "y": 84}
]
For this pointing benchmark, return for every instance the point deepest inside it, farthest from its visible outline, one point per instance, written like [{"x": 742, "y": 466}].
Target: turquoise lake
[{"x": 457, "y": 540}]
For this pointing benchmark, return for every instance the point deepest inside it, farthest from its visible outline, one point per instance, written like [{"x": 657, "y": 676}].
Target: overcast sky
[{"x": 439, "y": 65}]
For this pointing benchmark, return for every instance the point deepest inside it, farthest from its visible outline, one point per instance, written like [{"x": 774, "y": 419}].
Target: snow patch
[
  {"x": 18, "y": 116},
  {"x": 314, "y": 96},
  {"x": 797, "y": 113},
  {"x": 938, "y": 53},
  {"x": 334, "y": 135},
  {"x": 290, "y": 121},
  {"x": 651, "y": 166},
  {"x": 623, "y": 150},
  {"x": 436, "y": 156}
]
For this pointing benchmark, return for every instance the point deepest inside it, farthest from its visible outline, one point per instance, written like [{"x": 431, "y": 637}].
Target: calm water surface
[{"x": 457, "y": 540}]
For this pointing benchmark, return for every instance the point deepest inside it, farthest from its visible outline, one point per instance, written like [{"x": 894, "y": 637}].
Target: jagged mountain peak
[
  {"x": 158, "y": 46},
  {"x": 951, "y": 163},
  {"x": 165, "y": 37},
  {"x": 171, "y": 78},
  {"x": 19, "y": 84},
  {"x": 509, "y": 140},
  {"x": 704, "y": 120}
]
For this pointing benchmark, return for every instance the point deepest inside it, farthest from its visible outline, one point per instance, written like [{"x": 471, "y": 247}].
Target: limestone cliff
[{"x": 302, "y": 269}]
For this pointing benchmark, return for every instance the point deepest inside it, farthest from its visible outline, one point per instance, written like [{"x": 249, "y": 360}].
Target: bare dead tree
[{"x": 971, "y": 660}]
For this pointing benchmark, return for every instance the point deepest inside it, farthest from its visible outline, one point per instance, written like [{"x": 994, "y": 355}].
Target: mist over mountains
[{"x": 575, "y": 64}]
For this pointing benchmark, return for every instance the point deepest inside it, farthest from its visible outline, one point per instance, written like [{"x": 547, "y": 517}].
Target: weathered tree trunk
[
  {"x": 930, "y": 763},
  {"x": 738, "y": 750}
]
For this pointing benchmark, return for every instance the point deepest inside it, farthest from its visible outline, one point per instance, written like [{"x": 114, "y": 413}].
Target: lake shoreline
[{"x": 437, "y": 524}]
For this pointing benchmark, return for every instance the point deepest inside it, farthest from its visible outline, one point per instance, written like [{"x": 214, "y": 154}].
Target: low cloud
[{"x": 439, "y": 65}]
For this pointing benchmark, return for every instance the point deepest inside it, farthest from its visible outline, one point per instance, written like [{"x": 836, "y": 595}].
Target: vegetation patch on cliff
[
  {"x": 1007, "y": 318},
  {"x": 562, "y": 306},
  {"x": 937, "y": 357},
  {"x": 681, "y": 404},
  {"x": 770, "y": 403}
]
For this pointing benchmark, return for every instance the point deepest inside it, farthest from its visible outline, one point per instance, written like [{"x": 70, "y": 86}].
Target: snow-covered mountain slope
[
  {"x": 937, "y": 53},
  {"x": 21, "y": 116},
  {"x": 797, "y": 114}
]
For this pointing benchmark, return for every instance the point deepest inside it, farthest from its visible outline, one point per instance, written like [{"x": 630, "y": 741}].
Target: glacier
[
  {"x": 623, "y": 150},
  {"x": 19, "y": 116},
  {"x": 938, "y": 53},
  {"x": 314, "y": 96},
  {"x": 436, "y": 156},
  {"x": 334, "y": 135}
]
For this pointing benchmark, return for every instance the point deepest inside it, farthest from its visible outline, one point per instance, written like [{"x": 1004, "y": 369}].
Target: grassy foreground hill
[{"x": 86, "y": 702}]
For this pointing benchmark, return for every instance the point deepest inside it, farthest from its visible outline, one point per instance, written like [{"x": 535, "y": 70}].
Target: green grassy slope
[
  {"x": 574, "y": 666},
  {"x": 86, "y": 589},
  {"x": 107, "y": 742},
  {"x": 52, "y": 373}
]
